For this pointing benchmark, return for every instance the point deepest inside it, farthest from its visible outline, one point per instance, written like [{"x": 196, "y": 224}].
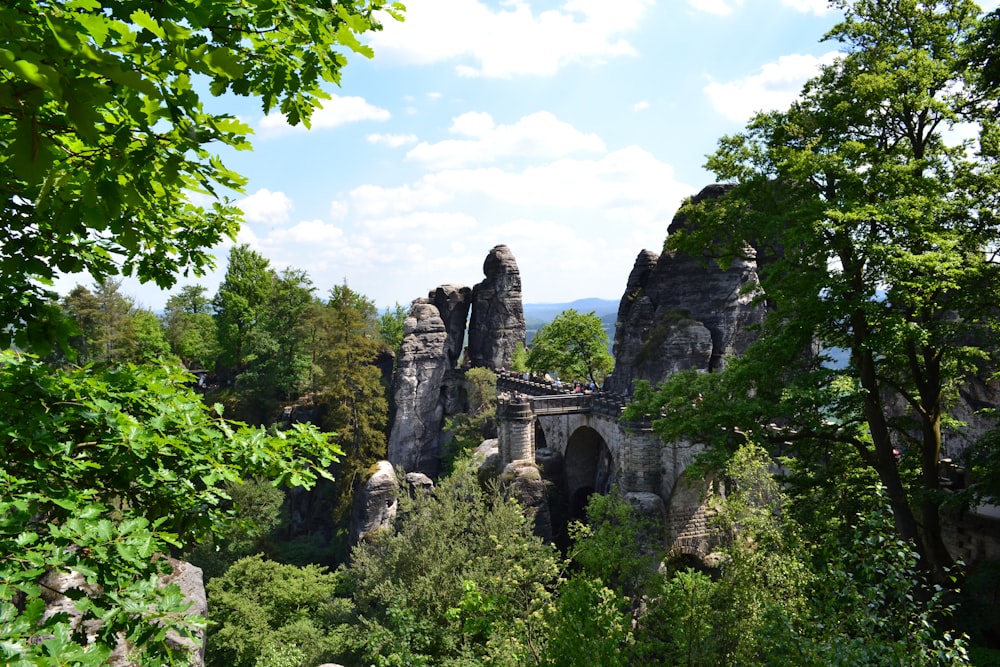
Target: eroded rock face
[
  {"x": 497, "y": 323},
  {"x": 375, "y": 504},
  {"x": 680, "y": 312},
  {"x": 528, "y": 487},
  {"x": 453, "y": 303},
  {"x": 415, "y": 439}
]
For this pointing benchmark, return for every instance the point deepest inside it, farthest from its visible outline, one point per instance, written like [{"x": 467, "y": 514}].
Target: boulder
[
  {"x": 528, "y": 487},
  {"x": 497, "y": 323},
  {"x": 58, "y": 587},
  {"x": 681, "y": 312},
  {"x": 415, "y": 439},
  {"x": 418, "y": 481},
  {"x": 487, "y": 455},
  {"x": 375, "y": 503}
]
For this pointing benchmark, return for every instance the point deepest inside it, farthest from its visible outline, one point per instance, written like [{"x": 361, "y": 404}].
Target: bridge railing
[
  {"x": 567, "y": 403},
  {"x": 546, "y": 398}
]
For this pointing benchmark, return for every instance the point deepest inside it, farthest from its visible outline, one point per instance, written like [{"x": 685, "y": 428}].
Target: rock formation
[
  {"x": 62, "y": 589},
  {"x": 680, "y": 312},
  {"x": 427, "y": 386},
  {"x": 415, "y": 439},
  {"x": 453, "y": 303},
  {"x": 375, "y": 503},
  {"x": 497, "y": 324}
]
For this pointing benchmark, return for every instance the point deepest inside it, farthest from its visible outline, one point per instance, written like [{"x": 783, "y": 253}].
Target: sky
[{"x": 568, "y": 130}]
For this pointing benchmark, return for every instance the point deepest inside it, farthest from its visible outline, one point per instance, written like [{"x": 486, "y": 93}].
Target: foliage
[
  {"x": 240, "y": 305},
  {"x": 519, "y": 362},
  {"x": 847, "y": 595},
  {"x": 110, "y": 328},
  {"x": 589, "y": 625},
  {"x": 615, "y": 546},
  {"x": 481, "y": 389},
  {"x": 257, "y": 509},
  {"x": 874, "y": 235},
  {"x": 104, "y": 131},
  {"x": 465, "y": 431},
  {"x": 266, "y": 614},
  {"x": 461, "y": 578},
  {"x": 574, "y": 346},
  {"x": 106, "y": 467},
  {"x": 190, "y": 328},
  {"x": 349, "y": 388},
  {"x": 390, "y": 326}
]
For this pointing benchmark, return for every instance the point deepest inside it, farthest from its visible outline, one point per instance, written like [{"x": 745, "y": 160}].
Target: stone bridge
[{"x": 599, "y": 451}]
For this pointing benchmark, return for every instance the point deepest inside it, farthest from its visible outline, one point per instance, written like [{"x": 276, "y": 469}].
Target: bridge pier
[
  {"x": 516, "y": 431},
  {"x": 640, "y": 459}
]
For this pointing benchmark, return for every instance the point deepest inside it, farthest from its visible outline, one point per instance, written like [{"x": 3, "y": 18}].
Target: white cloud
[
  {"x": 375, "y": 200},
  {"x": 305, "y": 234},
  {"x": 334, "y": 112},
  {"x": 339, "y": 209},
  {"x": 428, "y": 225},
  {"x": 626, "y": 186},
  {"x": 266, "y": 206},
  {"x": 540, "y": 134},
  {"x": 640, "y": 106},
  {"x": 392, "y": 140},
  {"x": 774, "y": 87},
  {"x": 434, "y": 95},
  {"x": 717, "y": 7},
  {"x": 479, "y": 37},
  {"x": 816, "y": 7}
]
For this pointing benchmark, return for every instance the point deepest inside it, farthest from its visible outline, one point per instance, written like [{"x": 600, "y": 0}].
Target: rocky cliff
[
  {"x": 415, "y": 438},
  {"x": 680, "y": 312},
  {"x": 427, "y": 387},
  {"x": 497, "y": 324}
]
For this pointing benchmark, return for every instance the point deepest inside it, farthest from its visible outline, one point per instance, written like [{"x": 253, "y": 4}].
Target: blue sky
[{"x": 569, "y": 131}]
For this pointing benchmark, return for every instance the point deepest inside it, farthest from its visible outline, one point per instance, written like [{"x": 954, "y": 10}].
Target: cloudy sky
[{"x": 568, "y": 130}]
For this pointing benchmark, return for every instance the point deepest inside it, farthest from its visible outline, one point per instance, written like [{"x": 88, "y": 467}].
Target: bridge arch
[{"x": 589, "y": 467}]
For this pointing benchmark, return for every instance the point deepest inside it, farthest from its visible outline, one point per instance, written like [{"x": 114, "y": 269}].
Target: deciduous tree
[
  {"x": 104, "y": 130},
  {"x": 573, "y": 345},
  {"x": 876, "y": 233},
  {"x": 106, "y": 467}
]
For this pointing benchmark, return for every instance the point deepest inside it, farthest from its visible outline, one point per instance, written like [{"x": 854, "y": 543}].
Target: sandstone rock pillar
[
  {"x": 497, "y": 323},
  {"x": 415, "y": 439}
]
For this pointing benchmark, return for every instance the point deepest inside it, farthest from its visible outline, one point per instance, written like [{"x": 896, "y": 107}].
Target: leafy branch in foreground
[
  {"x": 104, "y": 134},
  {"x": 105, "y": 469}
]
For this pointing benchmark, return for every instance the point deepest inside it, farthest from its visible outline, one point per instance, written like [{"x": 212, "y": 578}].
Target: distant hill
[{"x": 537, "y": 314}]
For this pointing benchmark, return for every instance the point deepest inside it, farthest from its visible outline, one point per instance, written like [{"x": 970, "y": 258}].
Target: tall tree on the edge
[{"x": 874, "y": 230}]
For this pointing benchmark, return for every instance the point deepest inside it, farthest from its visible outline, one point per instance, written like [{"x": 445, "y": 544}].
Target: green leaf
[{"x": 144, "y": 20}]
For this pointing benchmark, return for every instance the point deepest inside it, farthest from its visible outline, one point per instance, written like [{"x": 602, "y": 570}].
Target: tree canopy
[
  {"x": 875, "y": 232},
  {"x": 573, "y": 345},
  {"x": 104, "y": 133}
]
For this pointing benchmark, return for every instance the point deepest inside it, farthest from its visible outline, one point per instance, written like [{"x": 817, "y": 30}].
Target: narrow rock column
[{"x": 517, "y": 431}]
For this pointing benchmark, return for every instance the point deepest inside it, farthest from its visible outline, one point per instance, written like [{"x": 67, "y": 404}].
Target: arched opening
[
  {"x": 539, "y": 436},
  {"x": 589, "y": 468}
]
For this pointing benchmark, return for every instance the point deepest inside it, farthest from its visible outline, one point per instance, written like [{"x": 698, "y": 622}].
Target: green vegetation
[
  {"x": 876, "y": 231},
  {"x": 574, "y": 346},
  {"x": 106, "y": 467},
  {"x": 104, "y": 130},
  {"x": 466, "y": 431}
]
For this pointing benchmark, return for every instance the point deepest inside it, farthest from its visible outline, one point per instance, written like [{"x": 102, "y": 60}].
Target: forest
[{"x": 130, "y": 437}]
